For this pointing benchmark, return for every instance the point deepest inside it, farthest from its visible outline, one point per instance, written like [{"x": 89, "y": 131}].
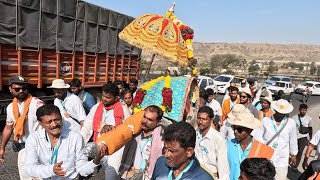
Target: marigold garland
[{"x": 166, "y": 105}]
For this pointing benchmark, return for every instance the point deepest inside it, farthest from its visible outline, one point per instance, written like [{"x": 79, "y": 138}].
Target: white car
[
  {"x": 314, "y": 87},
  {"x": 223, "y": 82},
  {"x": 274, "y": 79},
  {"x": 207, "y": 82},
  {"x": 287, "y": 87}
]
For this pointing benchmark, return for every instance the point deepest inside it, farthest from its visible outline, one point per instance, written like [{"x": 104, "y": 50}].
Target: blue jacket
[{"x": 196, "y": 172}]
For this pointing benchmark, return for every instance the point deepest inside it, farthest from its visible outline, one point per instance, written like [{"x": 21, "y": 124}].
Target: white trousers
[
  {"x": 281, "y": 173},
  {"x": 21, "y": 165}
]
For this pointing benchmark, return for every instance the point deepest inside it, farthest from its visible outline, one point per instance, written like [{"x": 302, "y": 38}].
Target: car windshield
[
  {"x": 280, "y": 84},
  {"x": 275, "y": 79},
  {"x": 307, "y": 84},
  {"x": 238, "y": 80},
  {"x": 222, "y": 78}
]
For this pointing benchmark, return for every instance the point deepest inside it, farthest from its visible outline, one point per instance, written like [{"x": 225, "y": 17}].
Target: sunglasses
[
  {"x": 243, "y": 96},
  {"x": 18, "y": 89},
  {"x": 239, "y": 129}
]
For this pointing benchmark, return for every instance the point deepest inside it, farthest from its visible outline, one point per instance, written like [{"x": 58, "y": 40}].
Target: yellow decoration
[
  {"x": 163, "y": 108},
  {"x": 194, "y": 71},
  {"x": 167, "y": 82},
  {"x": 281, "y": 106},
  {"x": 190, "y": 54},
  {"x": 147, "y": 86},
  {"x": 189, "y": 41}
]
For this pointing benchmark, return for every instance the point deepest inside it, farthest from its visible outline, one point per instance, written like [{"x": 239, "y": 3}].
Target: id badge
[{"x": 275, "y": 145}]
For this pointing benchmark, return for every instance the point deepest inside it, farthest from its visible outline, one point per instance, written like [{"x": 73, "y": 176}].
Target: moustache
[{"x": 56, "y": 127}]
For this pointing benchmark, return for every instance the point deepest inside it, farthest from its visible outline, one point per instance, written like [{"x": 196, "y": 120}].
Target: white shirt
[
  {"x": 143, "y": 152},
  {"x": 315, "y": 140},
  {"x": 211, "y": 151},
  {"x": 216, "y": 107},
  {"x": 107, "y": 119},
  {"x": 305, "y": 121},
  {"x": 72, "y": 104},
  {"x": 287, "y": 141},
  {"x": 31, "y": 124},
  {"x": 38, "y": 152}
]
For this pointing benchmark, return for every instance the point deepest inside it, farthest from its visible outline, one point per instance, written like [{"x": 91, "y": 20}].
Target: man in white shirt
[
  {"x": 211, "y": 147},
  {"x": 304, "y": 128},
  {"x": 104, "y": 117},
  {"x": 215, "y": 106},
  {"x": 70, "y": 105},
  {"x": 285, "y": 144},
  {"x": 140, "y": 154},
  {"x": 21, "y": 119},
  {"x": 55, "y": 152}
]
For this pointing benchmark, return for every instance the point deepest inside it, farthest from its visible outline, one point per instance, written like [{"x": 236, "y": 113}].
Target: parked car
[
  {"x": 274, "y": 79},
  {"x": 238, "y": 80},
  {"x": 287, "y": 87},
  {"x": 313, "y": 86},
  {"x": 223, "y": 82},
  {"x": 207, "y": 82}
]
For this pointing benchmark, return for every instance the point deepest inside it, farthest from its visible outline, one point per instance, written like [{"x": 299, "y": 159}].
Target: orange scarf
[
  {"x": 18, "y": 132},
  {"x": 117, "y": 112}
]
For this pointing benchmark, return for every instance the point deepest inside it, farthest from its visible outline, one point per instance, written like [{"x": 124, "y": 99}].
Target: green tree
[
  {"x": 254, "y": 69},
  {"x": 300, "y": 67},
  {"x": 204, "y": 71},
  {"x": 318, "y": 71},
  {"x": 313, "y": 68},
  {"x": 272, "y": 67}
]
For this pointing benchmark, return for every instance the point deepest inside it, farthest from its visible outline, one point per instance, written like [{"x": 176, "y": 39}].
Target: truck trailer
[{"x": 43, "y": 40}]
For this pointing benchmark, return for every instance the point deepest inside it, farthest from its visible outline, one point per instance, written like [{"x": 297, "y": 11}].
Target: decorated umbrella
[{"x": 165, "y": 36}]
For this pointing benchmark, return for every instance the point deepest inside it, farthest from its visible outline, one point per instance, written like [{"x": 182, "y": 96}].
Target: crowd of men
[{"x": 50, "y": 138}]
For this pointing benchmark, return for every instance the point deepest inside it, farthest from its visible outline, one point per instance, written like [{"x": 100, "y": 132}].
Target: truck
[{"x": 43, "y": 40}]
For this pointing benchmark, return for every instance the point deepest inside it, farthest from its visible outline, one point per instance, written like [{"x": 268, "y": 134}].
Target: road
[{"x": 9, "y": 170}]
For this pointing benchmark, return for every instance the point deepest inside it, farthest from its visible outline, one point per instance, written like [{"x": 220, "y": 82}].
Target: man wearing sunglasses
[
  {"x": 21, "y": 120},
  {"x": 243, "y": 123},
  {"x": 245, "y": 99}
]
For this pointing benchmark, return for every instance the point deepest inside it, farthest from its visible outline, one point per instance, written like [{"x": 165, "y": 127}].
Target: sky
[{"x": 235, "y": 21}]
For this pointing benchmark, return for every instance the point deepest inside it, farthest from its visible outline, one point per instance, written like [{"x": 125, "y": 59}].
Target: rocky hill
[{"x": 251, "y": 51}]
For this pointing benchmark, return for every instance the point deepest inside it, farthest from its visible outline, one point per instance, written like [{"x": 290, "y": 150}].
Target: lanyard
[
  {"x": 143, "y": 162},
  {"x": 54, "y": 153},
  {"x": 180, "y": 175},
  {"x": 275, "y": 144},
  {"x": 241, "y": 152},
  {"x": 203, "y": 148},
  {"x": 275, "y": 126}
]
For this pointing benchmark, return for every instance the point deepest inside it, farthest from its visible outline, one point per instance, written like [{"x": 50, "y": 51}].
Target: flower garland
[
  {"x": 141, "y": 92},
  {"x": 187, "y": 34},
  {"x": 166, "y": 105}
]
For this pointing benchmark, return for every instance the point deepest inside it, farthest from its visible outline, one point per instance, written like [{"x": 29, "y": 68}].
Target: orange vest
[{"x": 226, "y": 108}]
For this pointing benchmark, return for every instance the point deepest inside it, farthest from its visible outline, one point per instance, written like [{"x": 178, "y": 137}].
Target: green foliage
[
  {"x": 318, "y": 71},
  {"x": 225, "y": 61},
  {"x": 313, "y": 68},
  {"x": 272, "y": 67},
  {"x": 204, "y": 71},
  {"x": 143, "y": 64},
  {"x": 254, "y": 69}
]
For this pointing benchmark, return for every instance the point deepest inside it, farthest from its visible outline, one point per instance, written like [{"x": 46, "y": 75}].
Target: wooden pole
[{"x": 147, "y": 73}]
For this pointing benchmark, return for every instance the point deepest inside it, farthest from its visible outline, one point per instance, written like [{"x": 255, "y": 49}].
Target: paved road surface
[{"x": 9, "y": 170}]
